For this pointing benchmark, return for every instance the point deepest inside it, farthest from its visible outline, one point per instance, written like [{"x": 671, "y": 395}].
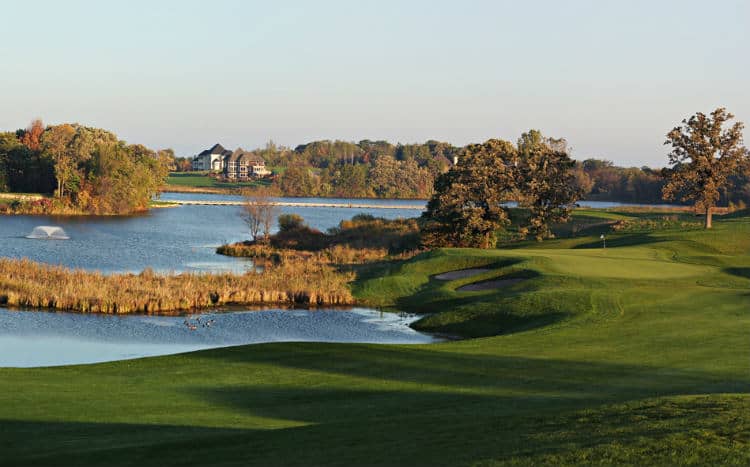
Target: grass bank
[
  {"x": 633, "y": 355},
  {"x": 24, "y": 283},
  {"x": 200, "y": 182}
]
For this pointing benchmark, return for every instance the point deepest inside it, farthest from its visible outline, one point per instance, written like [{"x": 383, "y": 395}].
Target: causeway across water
[{"x": 305, "y": 205}]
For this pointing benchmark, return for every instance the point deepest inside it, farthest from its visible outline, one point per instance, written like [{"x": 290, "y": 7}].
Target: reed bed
[{"x": 24, "y": 283}]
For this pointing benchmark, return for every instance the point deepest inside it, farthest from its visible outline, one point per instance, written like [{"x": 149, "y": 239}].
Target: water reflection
[{"x": 33, "y": 338}]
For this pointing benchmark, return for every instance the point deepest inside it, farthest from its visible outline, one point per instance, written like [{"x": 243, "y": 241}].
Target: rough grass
[{"x": 633, "y": 355}]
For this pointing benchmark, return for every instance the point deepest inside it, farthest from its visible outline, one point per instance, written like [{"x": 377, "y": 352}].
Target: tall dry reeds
[{"x": 24, "y": 283}]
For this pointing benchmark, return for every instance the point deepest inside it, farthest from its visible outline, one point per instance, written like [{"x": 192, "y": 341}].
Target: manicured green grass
[{"x": 634, "y": 355}]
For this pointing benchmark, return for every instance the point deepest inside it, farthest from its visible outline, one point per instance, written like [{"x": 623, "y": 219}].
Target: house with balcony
[{"x": 242, "y": 165}]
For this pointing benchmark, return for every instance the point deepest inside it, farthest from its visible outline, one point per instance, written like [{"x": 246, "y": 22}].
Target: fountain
[{"x": 47, "y": 232}]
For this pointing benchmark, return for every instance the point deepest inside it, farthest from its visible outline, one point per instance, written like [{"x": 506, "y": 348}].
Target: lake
[
  {"x": 38, "y": 338},
  {"x": 176, "y": 239},
  {"x": 171, "y": 239}
]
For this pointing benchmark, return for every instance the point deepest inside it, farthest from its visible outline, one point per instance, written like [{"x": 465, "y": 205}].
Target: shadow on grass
[
  {"x": 635, "y": 239},
  {"x": 492, "y": 264},
  {"x": 740, "y": 272},
  {"x": 436, "y": 365},
  {"x": 382, "y": 405},
  {"x": 660, "y": 432},
  {"x": 488, "y": 324},
  {"x": 421, "y": 406},
  {"x": 464, "y": 431}
]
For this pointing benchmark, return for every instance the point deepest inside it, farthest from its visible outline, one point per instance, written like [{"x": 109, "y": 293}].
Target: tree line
[
  {"x": 87, "y": 169},
  {"x": 380, "y": 169}
]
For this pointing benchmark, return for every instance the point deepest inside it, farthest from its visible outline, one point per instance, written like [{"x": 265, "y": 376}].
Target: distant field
[
  {"x": 202, "y": 180},
  {"x": 636, "y": 354}
]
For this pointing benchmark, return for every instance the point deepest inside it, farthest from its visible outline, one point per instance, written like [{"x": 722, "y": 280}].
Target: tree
[
  {"x": 259, "y": 212},
  {"x": 583, "y": 180},
  {"x": 32, "y": 135},
  {"x": 466, "y": 209},
  {"x": 297, "y": 181},
  {"x": 546, "y": 182},
  {"x": 385, "y": 176},
  {"x": 350, "y": 181},
  {"x": 57, "y": 142},
  {"x": 23, "y": 170},
  {"x": 703, "y": 157}
]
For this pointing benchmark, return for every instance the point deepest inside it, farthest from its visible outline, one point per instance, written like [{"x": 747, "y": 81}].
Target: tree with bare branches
[{"x": 259, "y": 212}]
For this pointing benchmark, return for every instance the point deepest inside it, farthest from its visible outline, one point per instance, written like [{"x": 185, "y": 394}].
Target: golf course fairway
[{"x": 637, "y": 354}]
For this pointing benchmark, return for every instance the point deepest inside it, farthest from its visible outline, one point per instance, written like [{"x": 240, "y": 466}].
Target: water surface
[
  {"x": 37, "y": 338},
  {"x": 176, "y": 239}
]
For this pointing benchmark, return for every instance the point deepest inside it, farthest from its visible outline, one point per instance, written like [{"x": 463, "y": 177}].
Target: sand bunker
[
  {"x": 489, "y": 285},
  {"x": 460, "y": 274}
]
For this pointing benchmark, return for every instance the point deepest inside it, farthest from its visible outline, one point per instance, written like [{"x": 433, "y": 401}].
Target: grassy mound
[{"x": 633, "y": 355}]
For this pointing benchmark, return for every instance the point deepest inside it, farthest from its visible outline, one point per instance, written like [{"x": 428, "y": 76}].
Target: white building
[{"x": 211, "y": 159}]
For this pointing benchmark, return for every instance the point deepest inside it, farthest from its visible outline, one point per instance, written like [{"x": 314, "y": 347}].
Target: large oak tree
[
  {"x": 547, "y": 184},
  {"x": 466, "y": 209},
  {"x": 704, "y": 155}
]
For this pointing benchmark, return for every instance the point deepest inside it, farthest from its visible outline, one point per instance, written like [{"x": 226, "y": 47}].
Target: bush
[
  {"x": 363, "y": 238},
  {"x": 289, "y": 222}
]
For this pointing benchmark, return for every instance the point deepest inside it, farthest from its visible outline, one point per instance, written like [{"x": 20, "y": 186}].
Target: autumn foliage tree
[
  {"x": 57, "y": 142},
  {"x": 466, "y": 209},
  {"x": 547, "y": 184},
  {"x": 89, "y": 169},
  {"x": 704, "y": 156},
  {"x": 32, "y": 136}
]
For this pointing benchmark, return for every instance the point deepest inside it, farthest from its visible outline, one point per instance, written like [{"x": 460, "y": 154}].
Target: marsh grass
[{"x": 24, "y": 283}]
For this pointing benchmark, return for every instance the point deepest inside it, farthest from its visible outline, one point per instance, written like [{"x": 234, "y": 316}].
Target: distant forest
[
  {"x": 89, "y": 170},
  {"x": 380, "y": 169}
]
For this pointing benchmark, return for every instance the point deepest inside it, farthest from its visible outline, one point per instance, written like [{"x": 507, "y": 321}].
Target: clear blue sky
[{"x": 611, "y": 77}]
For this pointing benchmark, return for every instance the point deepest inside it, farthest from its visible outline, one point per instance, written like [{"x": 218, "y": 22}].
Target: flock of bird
[{"x": 193, "y": 325}]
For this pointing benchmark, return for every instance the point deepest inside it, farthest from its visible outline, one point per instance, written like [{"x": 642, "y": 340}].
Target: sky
[{"x": 612, "y": 77}]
